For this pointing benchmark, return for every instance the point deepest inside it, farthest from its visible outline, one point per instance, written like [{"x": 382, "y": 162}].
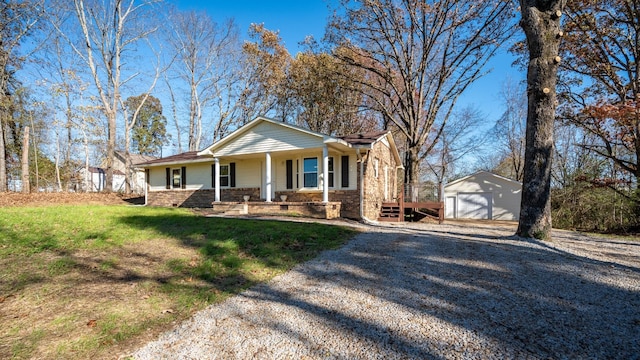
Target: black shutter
[
  {"x": 345, "y": 171},
  {"x": 184, "y": 178},
  {"x": 146, "y": 177},
  {"x": 289, "y": 174},
  {"x": 168, "y": 178},
  {"x": 232, "y": 174}
]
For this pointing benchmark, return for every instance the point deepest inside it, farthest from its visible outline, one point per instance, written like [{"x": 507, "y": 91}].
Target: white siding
[
  {"x": 157, "y": 178},
  {"x": 279, "y": 168},
  {"x": 248, "y": 173},
  {"x": 505, "y": 195},
  {"x": 198, "y": 176},
  {"x": 267, "y": 137}
]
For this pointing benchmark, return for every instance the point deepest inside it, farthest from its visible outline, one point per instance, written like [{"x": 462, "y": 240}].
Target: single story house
[
  {"x": 269, "y": 166},
  {"x": 483, "y": 195}
]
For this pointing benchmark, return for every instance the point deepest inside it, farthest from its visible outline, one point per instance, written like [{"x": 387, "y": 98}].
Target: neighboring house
[
  {"x": 97, "y": 175},
  {"x": 97, "y": 179},
  {"x": 483, "y": 195},
  {"x": 138, "y": 182},
  {"x": 266, "y": 160}
]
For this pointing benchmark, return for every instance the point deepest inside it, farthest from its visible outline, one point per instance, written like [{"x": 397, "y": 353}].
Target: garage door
[{"x": 474, "y": 205}]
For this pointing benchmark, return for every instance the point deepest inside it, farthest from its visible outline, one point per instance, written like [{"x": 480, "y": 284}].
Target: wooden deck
[{"x": 398, "y": 211}]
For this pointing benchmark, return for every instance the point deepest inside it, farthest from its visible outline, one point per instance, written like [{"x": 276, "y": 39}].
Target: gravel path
[{"x": 431, "y": 292}]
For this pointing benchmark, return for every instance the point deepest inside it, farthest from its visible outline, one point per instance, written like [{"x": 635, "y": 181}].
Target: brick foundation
[
  {"x": 198, "y": 198},
  {"x": 349, "y": 199}
]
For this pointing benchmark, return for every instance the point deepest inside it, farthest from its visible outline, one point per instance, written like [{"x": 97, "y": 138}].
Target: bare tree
[
  {"x": 509, "y": 130},
  {"x": 201, "y": 47},
  {"x": 107, "y": 30},
  {"x": 458, "y": 140},
  {"x": 63, "y": 87},
  {"x": 541, "y": 25},
  {"x": 130, "y": 121},
  {"x": 420, "y": 57}
]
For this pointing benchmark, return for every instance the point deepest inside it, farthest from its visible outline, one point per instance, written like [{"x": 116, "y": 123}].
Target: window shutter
[
  {"x": 289, "y": 174},
  {"x": 168, "y": 178},
  {"x": 184, "y": 178},
  {"x": 232, "y": 174},
  {"x": 345, "y": 171}
]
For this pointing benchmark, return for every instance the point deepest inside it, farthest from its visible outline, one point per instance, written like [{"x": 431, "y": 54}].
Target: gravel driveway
[{"x": 459, "y": 291}]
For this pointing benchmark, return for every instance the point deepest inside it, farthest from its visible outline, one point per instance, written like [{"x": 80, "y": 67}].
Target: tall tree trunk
[
  {"x": 541, "y": 24},
  {"x": 68, "y": 168},
  {"x": 26, "y": 187},
  {"x": 111, "y": 150},
  {"x": 411, "y": 175},
  {"x": 3, "y": 158},
  {"x": 57, "y": 163}
]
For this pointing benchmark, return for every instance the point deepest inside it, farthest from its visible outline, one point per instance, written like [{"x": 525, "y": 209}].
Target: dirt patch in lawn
[{"x": 90, "y": 301}]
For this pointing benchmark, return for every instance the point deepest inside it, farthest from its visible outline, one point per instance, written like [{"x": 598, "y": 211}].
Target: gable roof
[
  {"x": 484, "y": 173},
  {"x": 298, "y": 134},
  {"x": 135, "y": 158},
  {"x": 262, "y": 132}
]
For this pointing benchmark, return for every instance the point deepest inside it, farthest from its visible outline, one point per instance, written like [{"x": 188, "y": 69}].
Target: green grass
[
  {"x": 31, "y": 230},
  {"x": 132, "y": 270}
]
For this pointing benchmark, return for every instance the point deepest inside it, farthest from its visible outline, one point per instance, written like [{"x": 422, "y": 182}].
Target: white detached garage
[{"x": 483, "y": 195}]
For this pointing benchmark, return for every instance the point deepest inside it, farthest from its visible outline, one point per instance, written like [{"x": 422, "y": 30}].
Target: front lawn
[{"x": 80, "y": 282}]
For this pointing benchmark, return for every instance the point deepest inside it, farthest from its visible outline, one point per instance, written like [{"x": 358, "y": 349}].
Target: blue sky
[{"x": 297, "y": 19}]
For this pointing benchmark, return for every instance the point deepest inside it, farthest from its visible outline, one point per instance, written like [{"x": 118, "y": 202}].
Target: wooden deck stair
[{"x": 390, "y": 212}]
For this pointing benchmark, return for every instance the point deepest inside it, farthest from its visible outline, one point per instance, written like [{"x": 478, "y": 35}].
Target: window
[
  {"x": 375, "y": 167},
  {"x": 176, "y": 178},
  {"x": 310, "y": 172},
  {"x": 224, "y": 175},
  {"x": 227, "y": 175},
  {"x": 331, "y": 171}
]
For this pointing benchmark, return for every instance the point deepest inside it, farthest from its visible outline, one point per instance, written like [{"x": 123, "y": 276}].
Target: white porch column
[
  {"x": 325, "y": 174},
  {"x": 217, "y": 179},
  {"x": 267, "y": 177}
]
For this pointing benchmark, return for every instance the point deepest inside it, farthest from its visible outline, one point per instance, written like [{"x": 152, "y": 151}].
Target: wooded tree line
[{"x": 89, "y": 77}]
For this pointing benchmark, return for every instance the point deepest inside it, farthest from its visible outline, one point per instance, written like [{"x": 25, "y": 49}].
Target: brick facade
[
  {"x": 199, "y": 198},
  {"x": 374, "y": 186},
  {"x": 350, "y": 200}
]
